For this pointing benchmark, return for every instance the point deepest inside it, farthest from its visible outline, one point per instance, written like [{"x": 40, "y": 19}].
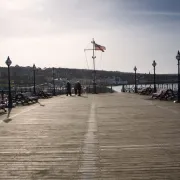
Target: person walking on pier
[{"x": 68, "y": 88}]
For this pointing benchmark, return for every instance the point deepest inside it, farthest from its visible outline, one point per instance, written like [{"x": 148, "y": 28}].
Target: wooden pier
[{"x": 117, "y": 136}]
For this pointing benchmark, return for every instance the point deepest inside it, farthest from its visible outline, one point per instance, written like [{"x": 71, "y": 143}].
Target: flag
[{"x": 99, "y": 47}]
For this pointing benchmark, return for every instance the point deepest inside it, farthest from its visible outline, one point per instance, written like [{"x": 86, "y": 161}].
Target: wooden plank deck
[{"x": 107, "y": 136}]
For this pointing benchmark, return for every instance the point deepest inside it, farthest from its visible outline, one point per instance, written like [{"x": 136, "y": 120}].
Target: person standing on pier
[
  {"x": 79, "y": 88},
  {"x": 75, "y": 89}
]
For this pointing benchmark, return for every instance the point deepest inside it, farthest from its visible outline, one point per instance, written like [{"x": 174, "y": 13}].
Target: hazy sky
[{"x": 55, "y": 32}]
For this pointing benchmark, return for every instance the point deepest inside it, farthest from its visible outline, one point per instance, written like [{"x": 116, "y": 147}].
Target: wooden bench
[
  {"x": 43, "y": 94},
  {"x": 3, "y": 106},
  {"x": 158, "y": 94},
  {"x": 165, "y": 94},
  {"x": 145, "y": 91},
  {"x": 142, "y": 91},
  {"x": 25, "y": 98}
]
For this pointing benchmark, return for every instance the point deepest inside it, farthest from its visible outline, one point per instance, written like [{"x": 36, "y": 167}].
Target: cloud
[
  {"x": 55, "y": 32},
  {"x": 52, "y": 17},
  {"x": 16, "y": 5},
  {"x": 38, "y": 18}
]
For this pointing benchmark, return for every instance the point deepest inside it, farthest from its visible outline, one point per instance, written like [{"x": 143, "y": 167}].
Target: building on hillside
[{"x": 114, "y": 81}]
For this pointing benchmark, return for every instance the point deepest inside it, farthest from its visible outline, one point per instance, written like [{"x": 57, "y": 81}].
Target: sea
[{"x": 161, "y": 86}]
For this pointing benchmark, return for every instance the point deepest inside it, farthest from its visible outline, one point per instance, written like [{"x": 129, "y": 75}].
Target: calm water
[{"x": 163, "y": 86}]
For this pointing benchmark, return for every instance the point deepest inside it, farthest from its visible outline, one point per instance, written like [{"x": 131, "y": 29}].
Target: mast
[{"x": 94, "y": 74}]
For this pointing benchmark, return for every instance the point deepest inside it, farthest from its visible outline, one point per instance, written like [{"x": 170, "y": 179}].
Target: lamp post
[
  {"x": 34, "y": 77},
  {"x": 135, "y": 89},
  {"x": 54, "y": 91},
  {"x": 8, "y": 63},
  {"x": 178, "y": 58},
  {"x": 154, "y": 65}
]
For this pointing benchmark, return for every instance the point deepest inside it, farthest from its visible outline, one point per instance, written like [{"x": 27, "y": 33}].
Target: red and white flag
[{"x": 99, "y": 47}]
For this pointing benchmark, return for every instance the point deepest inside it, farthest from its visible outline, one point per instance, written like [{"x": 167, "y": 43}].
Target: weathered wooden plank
[{"x": 112, "y": 136}]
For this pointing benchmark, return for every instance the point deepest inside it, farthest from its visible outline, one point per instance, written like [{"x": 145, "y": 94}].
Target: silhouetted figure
[
  {"x": 75, "y": 88},
  {"x": 68, "y": 88},
  {"x": 79, "y": 88}
]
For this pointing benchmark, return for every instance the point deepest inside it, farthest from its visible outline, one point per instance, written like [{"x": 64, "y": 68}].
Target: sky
[{"x": 54, "y": 33}]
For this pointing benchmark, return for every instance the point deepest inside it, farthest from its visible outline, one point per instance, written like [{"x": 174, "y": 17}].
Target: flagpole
[{"x": 94, "y": 77}]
